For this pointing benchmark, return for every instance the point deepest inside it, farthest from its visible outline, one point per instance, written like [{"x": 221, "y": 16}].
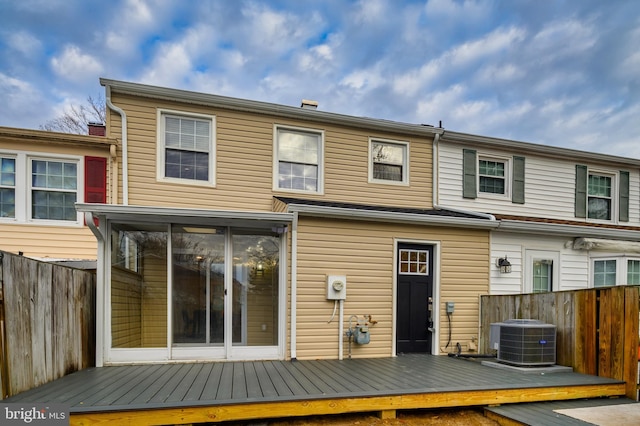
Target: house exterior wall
[
  {"x": 244, "y": 161},
  {"x": 573, "y": 265},
  {"x": 549, "y": 184},
  {"x": 49, "y": 239},
  {"x": 364, "y": 252}
]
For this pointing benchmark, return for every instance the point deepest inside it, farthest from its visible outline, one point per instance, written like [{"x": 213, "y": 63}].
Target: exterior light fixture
[
  {"x": 260, "y": 269},
  {"x": 504, "y": 265}
]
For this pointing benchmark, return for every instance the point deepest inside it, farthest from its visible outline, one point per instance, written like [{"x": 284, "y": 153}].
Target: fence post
[{"x": 4, "y": 375}]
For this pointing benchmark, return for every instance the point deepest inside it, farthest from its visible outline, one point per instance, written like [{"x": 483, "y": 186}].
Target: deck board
[{"x": 220, "y": 391}]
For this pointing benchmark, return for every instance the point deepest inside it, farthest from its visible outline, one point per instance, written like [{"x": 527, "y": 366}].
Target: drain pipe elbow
[{"x": 125, "y": 151}]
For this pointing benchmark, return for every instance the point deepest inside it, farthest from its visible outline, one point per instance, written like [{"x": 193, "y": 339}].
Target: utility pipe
[
  {"x": 100, "y": 288},
  {"x": 294, "y": 282},
  {"x": 341, "y": 328},
  {"x": 125, "y": 156}
]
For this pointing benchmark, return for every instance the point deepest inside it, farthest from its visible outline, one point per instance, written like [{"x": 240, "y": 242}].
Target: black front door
[{"x": 415, "y": 298}]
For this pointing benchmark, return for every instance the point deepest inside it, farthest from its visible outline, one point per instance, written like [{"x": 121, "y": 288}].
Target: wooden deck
[{"x": 221, "y": 391}]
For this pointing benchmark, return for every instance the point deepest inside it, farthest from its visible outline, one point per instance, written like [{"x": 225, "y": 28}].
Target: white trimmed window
[
  {"x": 542, "y": 271},
  {"x": 493, "y": 176},
  {"x": 612, "y": 271},
  {"x": 298, "y": 159},
  {"x": 54, "y": 189},
  {"x": 7, "y": 187},
  {"x": 600, "y": 196},
  {"x": 388, "y": 161},
  {"x": 186, "y": 151}
]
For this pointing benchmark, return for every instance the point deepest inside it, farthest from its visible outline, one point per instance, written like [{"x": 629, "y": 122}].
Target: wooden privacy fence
[
  {"x": 47, "y": 322},
  {"x": 597, "y": 329}
]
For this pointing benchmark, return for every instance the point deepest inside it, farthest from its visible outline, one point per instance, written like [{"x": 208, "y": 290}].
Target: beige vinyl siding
[
  {"x": 244, "y": 162},
  {"x": 364, "y": 252},
  {"x": 126, "y": 315},
  {"x": 48, "y": 242},
  {"x": 51, "y": 241}
]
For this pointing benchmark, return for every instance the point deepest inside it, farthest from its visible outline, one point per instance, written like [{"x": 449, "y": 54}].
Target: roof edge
[{"x": 260, "y": 107}]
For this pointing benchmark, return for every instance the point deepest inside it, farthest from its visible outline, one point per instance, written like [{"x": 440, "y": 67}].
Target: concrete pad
[
  {"x": 529, "y": 370},
  {"x": 609, "y": 415}
]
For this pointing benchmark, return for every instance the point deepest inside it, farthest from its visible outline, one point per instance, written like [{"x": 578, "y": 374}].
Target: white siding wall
[
  {"x": 573, "y": 267},
  {"x": 549, "y": 186}
]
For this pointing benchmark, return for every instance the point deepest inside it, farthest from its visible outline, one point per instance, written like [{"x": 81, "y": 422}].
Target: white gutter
[
  {"x": 567, "y": 230},
  {"x": 435, "y": 186},
  {"x": 394, "y": 217},
  {"x": 294, "y": 284},
  {"x": 125, "y": 155},
  {"x": 100, "y": 287}
]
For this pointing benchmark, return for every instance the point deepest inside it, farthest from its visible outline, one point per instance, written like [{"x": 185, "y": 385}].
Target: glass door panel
[
  {"x": 198, "y": 286},
  {"x": 256, "y": 261}
]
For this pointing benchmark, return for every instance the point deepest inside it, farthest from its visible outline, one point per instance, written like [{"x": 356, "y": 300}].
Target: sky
[{"x": 555, "y": 72}]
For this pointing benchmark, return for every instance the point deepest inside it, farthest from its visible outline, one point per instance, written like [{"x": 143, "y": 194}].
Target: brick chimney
[{"x": 97, "y": 129}]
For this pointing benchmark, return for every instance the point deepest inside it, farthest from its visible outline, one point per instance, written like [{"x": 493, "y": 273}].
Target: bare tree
[{"x": 76, "y": 118}]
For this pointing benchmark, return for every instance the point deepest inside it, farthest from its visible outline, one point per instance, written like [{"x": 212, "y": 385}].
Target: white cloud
[
  {"x": 22, "y": 97},
  {"x": 500, "y": 73},
  {"x": 364, "y": 79},
  {"x": 74, "y": 65},
  {"x": 170, "y": 67},
  {"x": 455, "y": 9},
  {"x": 562, "y": 38},
  {"x": 496, "y": 41},
  {"x": 25, "y": 43},
  {"x": 369, "y": 11}
]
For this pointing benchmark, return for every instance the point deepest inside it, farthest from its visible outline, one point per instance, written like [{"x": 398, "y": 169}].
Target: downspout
[
  {"x": 436, "y": 185},
  {"x": 100, "y": 288},
  {"x": 125, "y": 156},
  {"x": 294, "y": 283}
]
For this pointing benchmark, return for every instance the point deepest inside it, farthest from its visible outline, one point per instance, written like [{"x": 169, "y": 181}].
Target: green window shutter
[
  {"x": 517, "y": 193},
  {"x": 469, "y": 165},
  {"x": 581, "y": 191},
  {"x": 624, "y": 196}
]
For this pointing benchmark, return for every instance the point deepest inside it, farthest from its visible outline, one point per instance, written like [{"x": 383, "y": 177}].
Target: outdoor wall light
[{"x": 504, "y": 265}]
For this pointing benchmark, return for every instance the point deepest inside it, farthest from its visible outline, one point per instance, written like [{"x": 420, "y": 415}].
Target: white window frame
[
  {"x": 23, "y": 186},
  {"x": 533, "y": 255},
  {"x": 161, "y": 148},
  {"x": 622, "y": 263},
  {"x": 507, "y": 175},
  {"x": 14, "y": 186},
  {"x": 613, "y": 197},
  {"x": 405, "y": 161},
  {"x": 276, "y": 160}
]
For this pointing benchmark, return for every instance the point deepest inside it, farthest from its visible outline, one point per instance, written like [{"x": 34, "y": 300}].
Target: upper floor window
[
  {"x": 186, "y": 151},
  {"x": 43, "y": 189},
  {"x": 602, "y": 195},
  {"x": 7, "y": 187},
  {"x": 492, "y": 176},
  {"x": 599, "y": 196},
  {"x": 54, "y": 186},
  {"x": 389, "y": 161},
  {"x": 298, "y": 159}
]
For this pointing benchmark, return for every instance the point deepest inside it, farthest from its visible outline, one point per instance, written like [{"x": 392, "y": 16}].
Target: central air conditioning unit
[{"x": 524, "y": 342}]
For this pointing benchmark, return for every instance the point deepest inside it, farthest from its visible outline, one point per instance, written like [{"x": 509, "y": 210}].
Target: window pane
[
  {"x": 53, "y": 205},
  {"x": 7, "y": 202},
  {"x": 7, "y": 172},
  {"x": 491, "y": 168},
  {"x": 604, "y": 273},
  {"x": 298, "y": 147},
  {"x": 542, "y": 276},
  {"x": 599, "y": 186},
  {"x": 256, "y": 265},
  {"x": 414, "y": 262},
  {"x": 492, "y": 185},
  {"x": 387, "y": 172},
  {"x": 599, "y": 208},
  {"x": 633, "y": 272},
  {"x": 298, "y": 176},
  {"x": 187, "y": 145},
  {"x": 138, "y": 293}
]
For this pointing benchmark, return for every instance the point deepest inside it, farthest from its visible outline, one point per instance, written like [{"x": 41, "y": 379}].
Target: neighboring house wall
[
  {"x": 570, "y": 267},
  {"x": 22, "y": 230},
  {"x": 244, "y": 161},
  {"x": 364, "y": 252},
  {"x": 550, "y": 184}
]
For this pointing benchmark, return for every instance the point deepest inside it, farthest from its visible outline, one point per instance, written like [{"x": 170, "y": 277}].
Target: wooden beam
[{"x": 387, "y": 403}]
